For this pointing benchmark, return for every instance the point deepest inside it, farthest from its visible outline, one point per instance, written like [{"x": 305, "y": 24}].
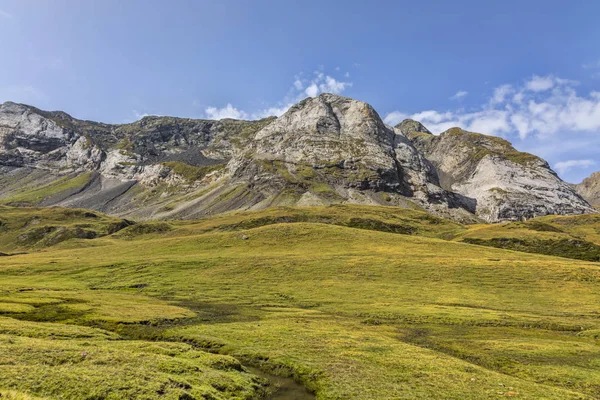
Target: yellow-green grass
[
  {"x": 351, "y": 313},
  {"x": 86, "y": 363},
  {"x": 575, "y": 236},
  {"x": 12, "y": 395},
  {"x": 34, "y": 196},
  {"x": 378, "y": 218},
  {"x": 26, "y": 228}
]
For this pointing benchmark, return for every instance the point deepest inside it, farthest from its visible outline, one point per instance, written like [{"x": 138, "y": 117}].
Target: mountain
[
  {"x": 324, "y": 150},
  {"x": 589, "y": 189},
  {"x": 505, "y": 183}
]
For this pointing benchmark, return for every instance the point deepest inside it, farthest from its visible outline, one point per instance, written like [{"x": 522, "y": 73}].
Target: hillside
[
  {"x": 563, "y": 236},
  {"x": 350, "y": 313},
  {"x": 324, "y": 150}
]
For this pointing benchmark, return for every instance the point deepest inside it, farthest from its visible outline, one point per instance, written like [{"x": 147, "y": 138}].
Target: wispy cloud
[
  {"x": 543, "y": 105},
  {"x": 540, "y": 83},
  {"x": 317, "y": 82},
  {"x": 5, "y": 14},
  {"x": 500, "y": 94},
  {"x": 562, "y": 167},
  {"x": 459, "y": 95},
  {"x": 594, "y": 67},
  {"x": 228, "y": 111},
  {"x": 140, "y": 115}
]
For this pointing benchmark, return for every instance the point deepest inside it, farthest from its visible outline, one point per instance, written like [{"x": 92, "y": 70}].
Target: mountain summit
[{"x": 323, "y": 150}]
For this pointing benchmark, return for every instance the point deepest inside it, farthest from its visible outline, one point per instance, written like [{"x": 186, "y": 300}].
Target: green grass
[
  {"x": 355, "y": 302},
  {"x": 100, "y": 367},
  {"x": 192, "y": 173},
  {"x": 24, "y": 229},
  {"x": 575, "y": 237}
]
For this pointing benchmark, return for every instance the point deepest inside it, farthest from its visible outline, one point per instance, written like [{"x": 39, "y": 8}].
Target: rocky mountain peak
[
  {"x": 506, "y": 184},
  {"x": 330, "y": 127},
  {"x": 411, "y": 128}
]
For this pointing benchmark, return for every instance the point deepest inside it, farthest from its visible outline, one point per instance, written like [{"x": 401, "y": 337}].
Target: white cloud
[
  {"x": 563, "y": 167},
  {"x": 331, "y": 85},
  {"x": 492, "y": 121},
  {"x": 543, "y": 106},
  {"x": 501, "y": 92},
  {"x": 394, "y": 118},
  {"x": 323, "y": 83},
  {"x": 459, "y": 95},
  {"x": 539, "y": 83},
  {"x": 594, "y": 67},
  {"x": 4, "y": 14},
  {"x": 312, "y": 90},
  {"x": 432, "y": 116},
  {"x": 518, "y": 98},
  {"x": 318, "y": 82},
  {"x": 228, "y": 111},
  {"x": 271, "y": 112}
]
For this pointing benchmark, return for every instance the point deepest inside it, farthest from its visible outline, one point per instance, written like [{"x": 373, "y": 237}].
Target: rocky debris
[
  {"x": 504, "y": 183},
  {"x": 323, "y": 150},
  {"x": 589, "y": 189}
]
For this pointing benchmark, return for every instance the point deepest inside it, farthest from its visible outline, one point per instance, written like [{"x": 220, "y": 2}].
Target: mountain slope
[
  {"x": 505, "y": 184},
  {"x": 324, "y": 150},
  {"x": 589, "y": 189}
]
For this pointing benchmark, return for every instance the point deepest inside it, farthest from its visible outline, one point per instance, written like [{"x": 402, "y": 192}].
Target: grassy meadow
[{"x": 354, "y": 302}]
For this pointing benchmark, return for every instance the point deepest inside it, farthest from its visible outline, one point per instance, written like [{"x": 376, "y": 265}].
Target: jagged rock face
[
  {"x": 505, "y": 184},
  {"x": 589, "y": 189},
  {"x": 341, "y": 143},
  {"x": 28, "y": 139},
  {"x": 332, "y": 132}
]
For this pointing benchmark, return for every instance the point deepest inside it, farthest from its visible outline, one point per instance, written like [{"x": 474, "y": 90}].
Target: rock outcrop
[
  {"x": 327, "y": 149},
  {"x": 505, "y": 184},
  {"x": 589, "y": 189}
]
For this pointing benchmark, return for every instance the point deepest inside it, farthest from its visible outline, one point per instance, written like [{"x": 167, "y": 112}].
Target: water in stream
[{"x": 285, "y": 388}]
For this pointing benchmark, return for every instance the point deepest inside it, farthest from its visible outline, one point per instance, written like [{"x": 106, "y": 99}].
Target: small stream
[{"x": 284, "y": 388}]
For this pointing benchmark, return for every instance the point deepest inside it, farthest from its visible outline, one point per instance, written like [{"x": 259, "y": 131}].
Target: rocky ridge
[
  {"x": 506, "y": 184},
  {"x": 589, "y": 189},
  {"x": 323, "y": 150}
]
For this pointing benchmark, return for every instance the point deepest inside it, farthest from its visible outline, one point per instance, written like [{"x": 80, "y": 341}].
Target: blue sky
[{"x": 528, "y": 71}]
